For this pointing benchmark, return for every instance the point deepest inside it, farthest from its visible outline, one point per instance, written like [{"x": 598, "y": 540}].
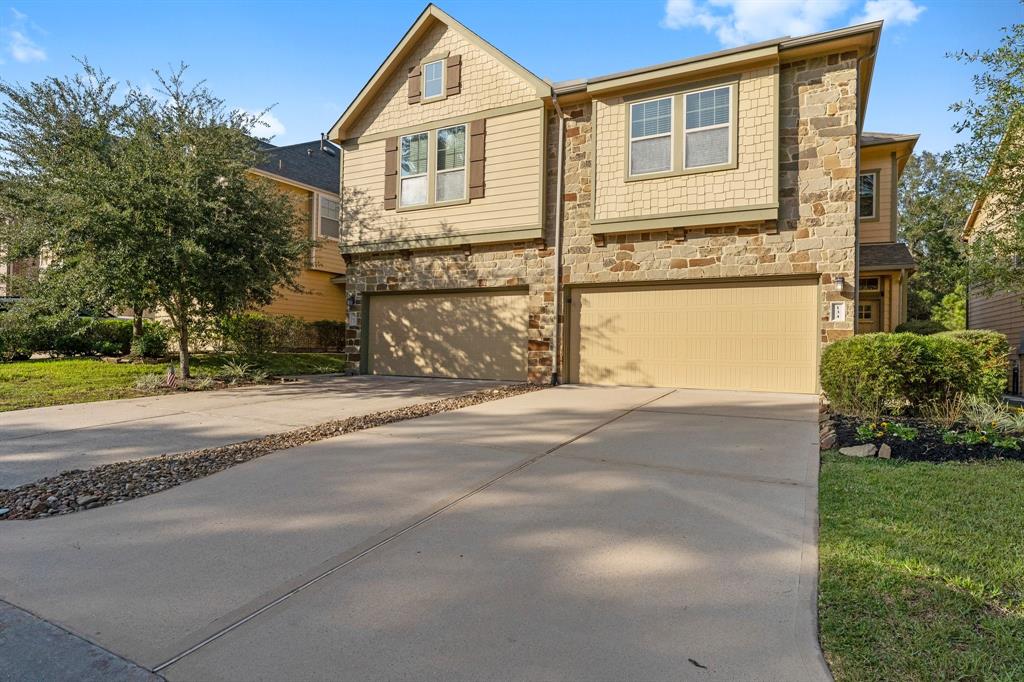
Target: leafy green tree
[
  {"x": 933, "y": 206},
  {"x": 144, "y": 200},
  {"x": 993, "y": 157},
  {"x": 951, "y": 311}
]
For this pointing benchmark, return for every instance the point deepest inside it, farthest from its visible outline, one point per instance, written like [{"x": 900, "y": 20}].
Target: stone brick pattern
[
  {"x": 509, "y": 265},
  {"x": 486, "y": 84},
  {"x": 750, "y": 184},
  {"x": 815, "y": 234}
]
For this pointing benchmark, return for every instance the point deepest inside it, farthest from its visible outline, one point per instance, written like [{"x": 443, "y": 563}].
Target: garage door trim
[
  {"x": 364, "y": 310},
  {"x": 566, "y": 350}
]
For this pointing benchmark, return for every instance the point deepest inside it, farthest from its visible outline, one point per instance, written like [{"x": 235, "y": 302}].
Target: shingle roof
[
  {"x": 868, "y": 139},
  {"x": 305, "y": 162},
  {"x": 880, "y": 256}
]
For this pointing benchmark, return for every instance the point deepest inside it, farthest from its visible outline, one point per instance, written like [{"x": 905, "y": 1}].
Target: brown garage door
[
  {"x": 458, "y": 335},
  {"x": 758, "y": 337}
]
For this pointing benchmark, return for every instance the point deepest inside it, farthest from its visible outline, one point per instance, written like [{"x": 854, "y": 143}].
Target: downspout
[
  {"x": 555, "y": 336},
  {"x": 856, "y": 195}
]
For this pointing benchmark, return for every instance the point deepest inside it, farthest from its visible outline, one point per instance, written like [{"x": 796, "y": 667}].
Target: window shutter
[
  {"x": 391, "y": 173},
  {"x": 477, "y": 157},
  {"x": 414, "y": 84},
  {"x": 454, "y": 76}
]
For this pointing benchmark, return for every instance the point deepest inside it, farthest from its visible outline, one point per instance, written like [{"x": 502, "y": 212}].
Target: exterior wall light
[{"x": 840, "y": 283}]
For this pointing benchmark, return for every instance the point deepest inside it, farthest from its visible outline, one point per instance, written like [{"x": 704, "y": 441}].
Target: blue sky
[{"x": 309, "y": 59}]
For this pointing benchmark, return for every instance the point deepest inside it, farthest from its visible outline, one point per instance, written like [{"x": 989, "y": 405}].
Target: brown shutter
[
  {"x": 477, "y": 157},
  {"x": 454, "y": 76},
  {"x": 414, "y": 84},
  {"x": 391, "y": 173}
]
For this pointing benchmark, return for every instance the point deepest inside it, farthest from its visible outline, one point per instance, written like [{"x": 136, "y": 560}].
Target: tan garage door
[
  {"x": 761, "y": 337},
  {"x": 458, "y": 335}
]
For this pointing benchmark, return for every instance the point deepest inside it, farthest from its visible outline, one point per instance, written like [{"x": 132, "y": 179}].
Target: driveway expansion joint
[
  {"x": 690, "y": 471},
  {"x": 393, "y": 536}
]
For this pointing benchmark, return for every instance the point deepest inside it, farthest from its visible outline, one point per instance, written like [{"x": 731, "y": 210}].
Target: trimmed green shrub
[
  {"x": 110, "y": 337},
  {"x": 248, "y": 333},
  {"x": 330, "y": 334},
  {"x": 153, "y": 342},
  {"x": 926, "y": 327},
  {"x": 17, "y": 337},
  {"x": 878, "y": 374},
  {"x": 994, "y": 351}
]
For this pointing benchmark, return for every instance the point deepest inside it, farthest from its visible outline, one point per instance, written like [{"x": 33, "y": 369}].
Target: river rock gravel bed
[{"x": 78, "y": 489}]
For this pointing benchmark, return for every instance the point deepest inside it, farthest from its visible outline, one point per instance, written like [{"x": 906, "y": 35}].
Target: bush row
[
  {"x": 258, "y": 333},
  {"x": 21, "y": 335},
  {"x": 906, "y": 373}
]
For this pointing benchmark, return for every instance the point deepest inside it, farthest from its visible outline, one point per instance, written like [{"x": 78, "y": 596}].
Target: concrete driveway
[
  {"x": 48, "y": 440},
  {"x": 574, "y": 533}
]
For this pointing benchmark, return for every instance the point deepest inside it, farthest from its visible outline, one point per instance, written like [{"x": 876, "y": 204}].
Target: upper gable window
[
  {"x": 433, "y": 79},
  {"x": 708, "y": 128},
  {"x": 414, "y": 175},
  {"x": 866, "y": 192},
  {"x": 650, "y": 136}
]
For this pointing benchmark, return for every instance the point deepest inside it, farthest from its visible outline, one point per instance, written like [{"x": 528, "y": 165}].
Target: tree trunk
[
  {"x": 183, "y": 354},
  {"x": 137, "y": 328}
]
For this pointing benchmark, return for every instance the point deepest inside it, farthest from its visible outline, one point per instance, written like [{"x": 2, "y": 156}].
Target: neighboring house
[
  {"x": 1001, "y": 311},
  {"x": 309, "y": 173},
  {"x": 885, "y": 264},
  {"x": 703, "y": 215}
]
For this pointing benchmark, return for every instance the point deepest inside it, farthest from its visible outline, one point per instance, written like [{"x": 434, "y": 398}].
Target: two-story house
[{"x": 700, "y": 223}]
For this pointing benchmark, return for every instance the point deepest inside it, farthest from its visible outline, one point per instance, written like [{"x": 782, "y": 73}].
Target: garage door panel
[
  {"x": 741, "y": 337},
  {"x": 455, "y": 335}
]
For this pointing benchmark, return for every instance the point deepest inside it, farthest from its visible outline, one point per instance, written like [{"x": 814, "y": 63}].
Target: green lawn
[
  {"x": 922, "y": 569},
  {"x": 36, "y": 383}
]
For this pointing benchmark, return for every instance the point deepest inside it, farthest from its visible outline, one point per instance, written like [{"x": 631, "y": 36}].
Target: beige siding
[
  {"x": 760, "y": 337},
  {"x": 456, "y": 335},
  {"x": 882, "y": 229},
  {"x": 486, "y": 84},
  {"x": 751, "y": 183},
  {"x": 512, "y": 197},
  {"x": 320, "y": 299},
  {"x": 1001, "y": 312}
]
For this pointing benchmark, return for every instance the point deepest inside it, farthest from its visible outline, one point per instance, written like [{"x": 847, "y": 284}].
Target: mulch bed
[
  {"x": 78, "y": 489},
  {"x": 928, "y": 446}
]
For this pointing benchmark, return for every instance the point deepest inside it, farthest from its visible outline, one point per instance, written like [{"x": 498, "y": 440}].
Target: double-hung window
[
  {"x": 415, "y": 177},
  {"x": 433, "y": 79},
  {"x": 330, "y": 223},
  {"x": 450, "y": 181},
  {"x": 432, "y": 167},
  {"x": 866, "y": 195},
  {"x": 650, "y": 136},
  {"x": 708, "y": 136}
]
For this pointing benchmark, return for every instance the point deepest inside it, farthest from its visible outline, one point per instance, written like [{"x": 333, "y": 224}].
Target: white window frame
[
  {"x": 671, "y": 137},
  {"x": 426, "y": 174},
  {"x": 433, "y": 150},
  {"x": 876, "y": 174},
  {"x": 443, "y": 61},
  {"x": 729, "y": 124},
  {"x": 317, "y": 234}
]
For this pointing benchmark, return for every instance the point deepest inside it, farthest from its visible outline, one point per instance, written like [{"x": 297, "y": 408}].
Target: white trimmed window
[
  {"x": 413, "y": 169},
  {"x": 330, "y": 223},
  {"x": 433, "y": 79},
  {"x": 650, "y": 136},
  {"x": 708, "y": 123},
  {"x": 450, "y": 181},
  {"x": 866, "y": 193}
]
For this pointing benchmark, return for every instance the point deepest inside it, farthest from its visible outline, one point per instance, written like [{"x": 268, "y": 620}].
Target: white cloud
[
  {"x": 269, "y": 126},
  {"x": 736, "y": 22},
  {"x": 20, "y": 44},
  {"x": 890, "y": 11}
]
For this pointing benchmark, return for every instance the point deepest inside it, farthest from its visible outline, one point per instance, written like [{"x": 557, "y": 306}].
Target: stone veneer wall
[
  {"x": 815, "y": 234},
  {"x": 816, "y": 230}
]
